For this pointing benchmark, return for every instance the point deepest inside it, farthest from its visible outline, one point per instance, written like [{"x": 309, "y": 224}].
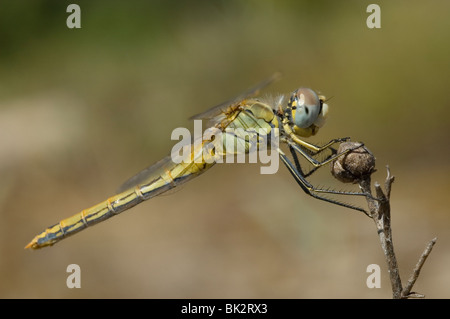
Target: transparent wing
[
  {"x": 213, "y": 116},
  {"x": 152, "y": 172},
  {"x": 217, "y": 113}
]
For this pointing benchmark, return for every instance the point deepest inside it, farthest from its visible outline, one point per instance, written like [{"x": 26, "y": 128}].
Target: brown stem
[
  {"x": 357, "y": 166},
  {"x": 380, "y": 212},
  {"x": 415, "y": 274}
]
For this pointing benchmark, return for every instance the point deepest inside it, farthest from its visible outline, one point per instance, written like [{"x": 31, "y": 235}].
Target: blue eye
[{"x": 305, "y": 107}]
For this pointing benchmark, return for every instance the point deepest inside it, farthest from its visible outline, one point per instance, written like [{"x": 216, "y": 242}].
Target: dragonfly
[{"x": 294, "y": 117}]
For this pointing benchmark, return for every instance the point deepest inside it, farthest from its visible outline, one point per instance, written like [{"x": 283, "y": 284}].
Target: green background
[{"x": 81, "y": 110}]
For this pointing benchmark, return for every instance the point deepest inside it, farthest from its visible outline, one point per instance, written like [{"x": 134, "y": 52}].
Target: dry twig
[{"x": 357, "y": 167}]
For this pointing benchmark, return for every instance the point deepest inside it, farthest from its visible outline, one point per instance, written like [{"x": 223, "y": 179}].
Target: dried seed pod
[{"x": 353, "y": 166}]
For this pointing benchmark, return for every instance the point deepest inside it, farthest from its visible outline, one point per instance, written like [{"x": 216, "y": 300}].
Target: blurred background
[{"x": 82, "y": 110}]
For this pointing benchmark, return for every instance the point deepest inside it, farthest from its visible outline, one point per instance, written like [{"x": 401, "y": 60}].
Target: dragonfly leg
[
  {"x": 295, "y": 148},
  {"x": 314, "y": 149},
  {"x": 327, "y": 160},
  {"x": 297, "y": 162},
  {"x": 328, "y": 145},
  {"x": 315, "y": 192}
]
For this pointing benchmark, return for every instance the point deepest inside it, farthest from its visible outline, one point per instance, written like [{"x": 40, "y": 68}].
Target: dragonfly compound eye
[{"x": 305, "y": 107}]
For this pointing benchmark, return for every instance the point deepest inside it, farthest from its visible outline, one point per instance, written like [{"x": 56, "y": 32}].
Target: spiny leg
[
  {"x": 297, "y": 162},
  {"x": 312, "y": 191},
  {"x": 327, "y": 160},
  {"x": 328, "y": 145},
  {"x": 293, "y": 148},
  {"x": 310, "y": 188},
  {"x": 314, "y": 149},
  {"x": 315, "y": 168}
]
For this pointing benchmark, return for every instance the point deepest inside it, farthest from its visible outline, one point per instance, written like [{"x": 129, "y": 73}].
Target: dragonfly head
[{"x": 307, "y": 110}]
